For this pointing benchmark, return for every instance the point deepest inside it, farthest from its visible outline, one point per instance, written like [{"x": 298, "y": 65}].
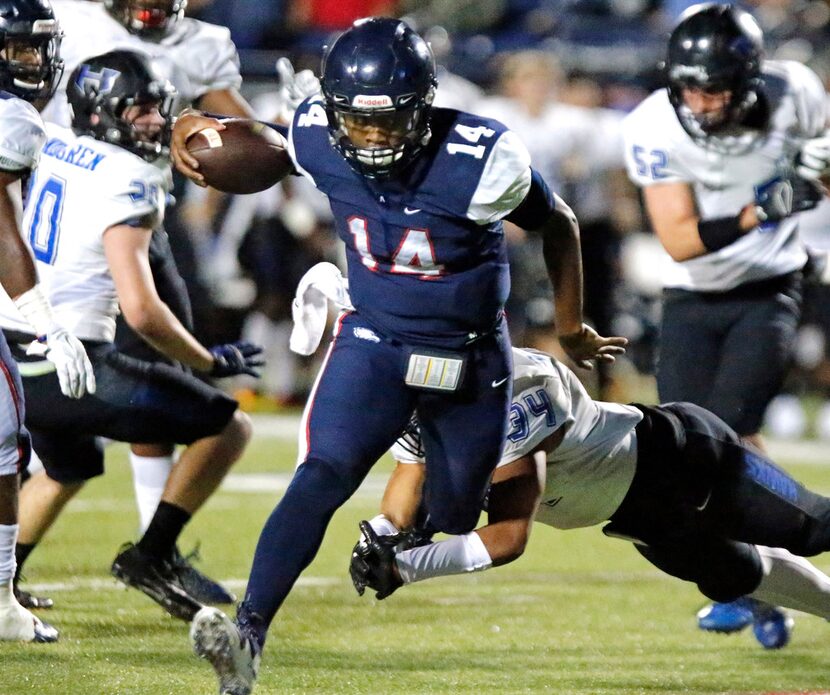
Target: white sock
[
  {"x": 8, "y": 539},
  {"x": 455, "y": 555},
  {"x": 150, "y": 475},
  {"x": 793, "y": 582}
]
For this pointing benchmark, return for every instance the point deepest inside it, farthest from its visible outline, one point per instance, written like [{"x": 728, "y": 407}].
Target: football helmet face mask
[
  {"x": 30, "y": 38},
  {"x": 114, "y": 97},
  {"x": 715, "y": 53},
  {"x": 378, "y": 84},
  {"x": 148, "y": 18}
]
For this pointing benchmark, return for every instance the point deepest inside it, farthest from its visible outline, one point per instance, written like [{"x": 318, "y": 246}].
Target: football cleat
[
  {"x": 156, "y": 579},
  {"x": 373, "y": 562},
  {"x": 19, "y": 625},
  {"x": 726, "y": 617},
  {"x": 27, "y": 600},
  {"x": 198, "y": 585},
  {"x": 771, "y": 626},
  {"x": 233, "y": 654}
]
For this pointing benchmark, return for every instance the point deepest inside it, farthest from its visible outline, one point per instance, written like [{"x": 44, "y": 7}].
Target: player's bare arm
[
  {"x": 127, "y": 251},
  {"x": 563, "y": 260},
  {"x": 674, "y": 218},
  {"x": 227, "y": 101},
  {"x": 403, "y": 494},
  {"x": 17, "y": 272}
]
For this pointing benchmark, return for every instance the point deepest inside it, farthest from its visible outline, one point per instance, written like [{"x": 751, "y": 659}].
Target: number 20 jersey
[
  {"x": 81, "y": 188},
  {"x": 427, "y": 260}
]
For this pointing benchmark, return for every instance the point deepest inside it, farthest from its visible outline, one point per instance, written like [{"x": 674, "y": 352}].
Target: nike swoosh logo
[
  {"x": 495, "y": 384},
  {"x": 411, "y": 211}
]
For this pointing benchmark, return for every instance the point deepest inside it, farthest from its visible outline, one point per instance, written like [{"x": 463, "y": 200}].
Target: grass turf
[{"x": 579, "y": 614}]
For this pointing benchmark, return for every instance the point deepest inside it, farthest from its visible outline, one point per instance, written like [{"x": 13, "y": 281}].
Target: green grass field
[{"x": 579, "y": 614}]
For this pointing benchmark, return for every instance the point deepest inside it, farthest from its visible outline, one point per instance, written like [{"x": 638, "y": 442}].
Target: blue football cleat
[
  {"x": 726, "y": 617},
  {"x": 771, "y": 626}
]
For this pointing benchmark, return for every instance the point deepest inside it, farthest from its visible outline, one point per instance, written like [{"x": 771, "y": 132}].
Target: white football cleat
[
  {"x": 19, "y": 625},
  {"x": 234, "y": 656}
]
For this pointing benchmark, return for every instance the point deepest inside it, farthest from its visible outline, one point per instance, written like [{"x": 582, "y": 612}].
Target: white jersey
[
  {"x": 195, "y": 56},
  {"x": 82, "y": 188},
  {"x": 724, "y": 172},
  {"x": 591, "y": 470},
  {"x": 22, "y": 134},
  {"x": 562, "y": 136}
]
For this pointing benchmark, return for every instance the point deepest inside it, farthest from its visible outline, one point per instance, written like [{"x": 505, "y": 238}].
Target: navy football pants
[{"x": 359, "y": 406}]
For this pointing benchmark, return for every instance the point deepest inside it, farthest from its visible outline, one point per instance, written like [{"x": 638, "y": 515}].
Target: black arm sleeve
[{"x": 537, "y": 206}]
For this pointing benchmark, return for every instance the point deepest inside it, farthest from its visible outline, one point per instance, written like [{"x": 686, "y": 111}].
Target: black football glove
[
  {"x": 373, "y": 562},
  {"x": 232, "y": 359},
  {"x": 784, "y": 196}
]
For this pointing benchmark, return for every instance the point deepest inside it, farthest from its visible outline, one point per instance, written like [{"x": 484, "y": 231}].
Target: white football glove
[
  {"x": 294, "y": 88},
  {"x": 74, "y": 369},
  {"x": 63, "y": 350},
  {"x": 813, "y": 160}
]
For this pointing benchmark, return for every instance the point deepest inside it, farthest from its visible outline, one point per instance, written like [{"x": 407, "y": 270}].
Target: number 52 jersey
[
  {"x": 81, "y": 188},
  {"x": 427, "y": 260}
]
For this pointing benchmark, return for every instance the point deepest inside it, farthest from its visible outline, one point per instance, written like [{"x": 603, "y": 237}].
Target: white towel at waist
[{"x": 322, "y": 284}]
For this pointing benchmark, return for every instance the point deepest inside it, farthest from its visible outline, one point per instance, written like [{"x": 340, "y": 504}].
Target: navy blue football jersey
[{"x": 427, "y": 260}]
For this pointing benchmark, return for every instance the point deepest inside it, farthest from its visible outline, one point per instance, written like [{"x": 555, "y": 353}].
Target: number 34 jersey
[
  {"x": 590, "y": 471},
  {"x": 81, "y": 188},
  {"x": 426, "y": 254}
]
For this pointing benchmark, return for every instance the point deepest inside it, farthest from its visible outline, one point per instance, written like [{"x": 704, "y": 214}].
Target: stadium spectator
[{"x": 579, "y": 149}]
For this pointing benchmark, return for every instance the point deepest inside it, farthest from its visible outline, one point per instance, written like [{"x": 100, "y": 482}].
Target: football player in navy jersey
[{"x": 418, "y": 195}]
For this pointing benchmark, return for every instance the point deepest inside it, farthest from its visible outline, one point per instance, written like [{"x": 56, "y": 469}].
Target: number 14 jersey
[{"x": 427, "y": 260}]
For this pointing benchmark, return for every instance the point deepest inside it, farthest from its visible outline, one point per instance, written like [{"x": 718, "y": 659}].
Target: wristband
[
  {"x": 719, "y": 232},
  {"x": 35, "y": 308}
]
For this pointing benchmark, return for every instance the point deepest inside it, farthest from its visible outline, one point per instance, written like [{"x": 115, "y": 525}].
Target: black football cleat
[
  {"x": 27, "y": 600},
  {"x": 198, "y": 585},
  {"x": 156, "y": 579}
]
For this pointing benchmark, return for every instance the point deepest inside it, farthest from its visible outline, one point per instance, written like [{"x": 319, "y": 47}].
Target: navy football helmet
[
  {"x": 379, "y": 75},
  {"x": 148, "y": 18},
  {"x": 100, "y": 90},
  {"x": 716, "y": 48},
  {"x": 30, "y": 64}
]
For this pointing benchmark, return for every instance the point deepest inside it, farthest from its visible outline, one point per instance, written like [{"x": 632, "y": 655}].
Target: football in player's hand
[{"x": 245, "y": 157}]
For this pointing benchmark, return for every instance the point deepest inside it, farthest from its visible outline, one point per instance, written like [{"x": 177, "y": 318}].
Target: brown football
[{"x": 245, "y": 157}]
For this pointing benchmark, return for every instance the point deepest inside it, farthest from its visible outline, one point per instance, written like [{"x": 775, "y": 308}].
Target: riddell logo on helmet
[{"x": 366, "y": 101}]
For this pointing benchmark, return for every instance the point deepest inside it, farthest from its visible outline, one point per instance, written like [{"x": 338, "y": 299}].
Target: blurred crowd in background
[{"x": 562, "y": 74}]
